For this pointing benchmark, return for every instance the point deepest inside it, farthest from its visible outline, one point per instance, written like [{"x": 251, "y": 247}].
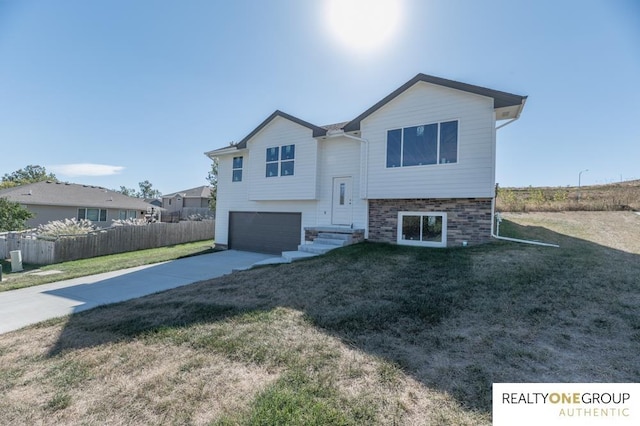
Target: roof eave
[
  {"x": 317, "y": 131},
  {"x": 500, "y": 99}
]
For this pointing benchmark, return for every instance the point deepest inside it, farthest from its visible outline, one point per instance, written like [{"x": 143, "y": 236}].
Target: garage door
[{"x": 264, "y": 232}]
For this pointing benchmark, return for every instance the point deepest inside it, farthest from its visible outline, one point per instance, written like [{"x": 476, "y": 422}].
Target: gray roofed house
[
  {"x": 51, "y": 201},
  {"x": 189, "y": 202},
  {"x": 416, "y": 168}
]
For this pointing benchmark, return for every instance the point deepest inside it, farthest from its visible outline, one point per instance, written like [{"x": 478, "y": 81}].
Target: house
[
  {"x": 50, "y": 201},
  {"x": 182, "y": 204},
  {"x": 417, "y": 168}
]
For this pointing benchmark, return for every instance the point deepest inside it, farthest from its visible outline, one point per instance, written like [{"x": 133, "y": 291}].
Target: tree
[
  {"x": 30, "y": 174},
  {"x": 212, "y": 177},
  {"x": 129, "y": 192},
  {"x": 12, "y": 216},
  {"x": 146, "y": 190}
]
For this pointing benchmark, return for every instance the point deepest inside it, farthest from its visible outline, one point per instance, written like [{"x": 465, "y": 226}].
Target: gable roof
[
  {"x": 500, "y": 99},
  {"x": 317, "y": 130},
  {"x": 199, "y": 192},
  {"x": 72, "y": 195}
]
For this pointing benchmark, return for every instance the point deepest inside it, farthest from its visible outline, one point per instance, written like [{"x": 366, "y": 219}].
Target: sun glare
[{"x": 363, "y": 25}]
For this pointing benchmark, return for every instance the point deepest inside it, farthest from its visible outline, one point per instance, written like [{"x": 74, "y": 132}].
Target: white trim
[
  {"x": 437, "y": 163},
  {"x": 223, "y": 151},
  {"x": 402, "y": 241},
  {"x": 350, "y": 201}
]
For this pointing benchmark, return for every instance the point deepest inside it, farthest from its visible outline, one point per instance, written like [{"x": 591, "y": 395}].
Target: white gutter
[
  {"x": 223, "y": 151},
  {"x": 516, "y": 117},
  {"x": 508, "y": 122}
]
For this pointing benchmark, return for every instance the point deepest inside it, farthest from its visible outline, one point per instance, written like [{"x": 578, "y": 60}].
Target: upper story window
[
  {"x": 280, "y": 161},
  {"x": 94, "y": 215},
  {"x": 435, "y": 143},
  {"x": 237, "y": 169}
]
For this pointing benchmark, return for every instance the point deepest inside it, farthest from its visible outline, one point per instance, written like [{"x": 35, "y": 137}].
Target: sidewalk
[{"x": 22, "y": 307}]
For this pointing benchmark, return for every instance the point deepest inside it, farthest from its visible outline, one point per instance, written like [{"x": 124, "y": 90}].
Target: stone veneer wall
[
  {"x": 468, "y": 219},
  {"x": 357, "y": 235}
]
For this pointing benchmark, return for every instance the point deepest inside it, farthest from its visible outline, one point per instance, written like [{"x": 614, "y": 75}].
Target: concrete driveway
[{"x": 19, "y": 308}]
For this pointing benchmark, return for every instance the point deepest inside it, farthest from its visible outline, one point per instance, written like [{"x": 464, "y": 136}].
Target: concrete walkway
[{"x": 22, "y": 307}]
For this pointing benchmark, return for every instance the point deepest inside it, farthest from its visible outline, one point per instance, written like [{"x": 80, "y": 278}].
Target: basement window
[{"x": 427, "y": 229}]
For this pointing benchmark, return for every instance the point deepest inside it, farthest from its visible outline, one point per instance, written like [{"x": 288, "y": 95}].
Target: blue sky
[{"x": 140, "y": 89}]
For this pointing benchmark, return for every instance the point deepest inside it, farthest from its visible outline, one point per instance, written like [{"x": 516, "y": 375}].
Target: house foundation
[{"x": 468, "y": 219}]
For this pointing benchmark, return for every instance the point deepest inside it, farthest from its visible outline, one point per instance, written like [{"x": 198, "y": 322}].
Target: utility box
[{"x": 16, "y": 260}]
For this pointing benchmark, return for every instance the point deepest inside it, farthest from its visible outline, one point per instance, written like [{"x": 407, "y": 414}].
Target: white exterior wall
[
  {"x": 424, "y": 103},
  {"x": 340, "y": 157},
  {"x": 302, "y": 184},
  {"x": 291, "y": 194}
]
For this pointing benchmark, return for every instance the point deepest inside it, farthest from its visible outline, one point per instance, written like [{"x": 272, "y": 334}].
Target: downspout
[{"x": 496, "y": 217}]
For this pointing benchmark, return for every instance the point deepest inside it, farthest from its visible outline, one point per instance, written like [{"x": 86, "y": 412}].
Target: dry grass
[
  {"x": 623, "y": 196},
  {"x": 369, "y": 334}
]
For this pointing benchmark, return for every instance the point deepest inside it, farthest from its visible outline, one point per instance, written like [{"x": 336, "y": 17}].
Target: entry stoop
[
  {"x": 330, "y": 238},
  {"x": 319, "y": 241}
]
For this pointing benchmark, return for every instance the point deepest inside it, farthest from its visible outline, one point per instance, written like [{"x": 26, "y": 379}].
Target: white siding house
[{"x": 416, "y": 168}]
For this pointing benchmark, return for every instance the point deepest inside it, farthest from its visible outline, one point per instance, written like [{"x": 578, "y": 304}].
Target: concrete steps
[{"x": 323, "y": 243}]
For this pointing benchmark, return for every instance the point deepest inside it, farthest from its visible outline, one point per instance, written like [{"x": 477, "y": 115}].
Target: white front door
[{"x": 342, "y": 211}]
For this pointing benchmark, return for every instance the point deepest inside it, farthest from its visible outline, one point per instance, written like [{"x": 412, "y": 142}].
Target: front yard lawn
[{"x": 367, "y": 334}]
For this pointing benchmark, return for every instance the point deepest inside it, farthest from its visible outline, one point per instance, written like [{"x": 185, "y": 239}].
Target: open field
[
  {"x": 368, "y": 334},
  {"x": 79, "y": 268},
  {"x": 622, "y": 196}
]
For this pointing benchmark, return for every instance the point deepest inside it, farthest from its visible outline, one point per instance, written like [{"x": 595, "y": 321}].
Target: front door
[{"x": 342, "y": 211}]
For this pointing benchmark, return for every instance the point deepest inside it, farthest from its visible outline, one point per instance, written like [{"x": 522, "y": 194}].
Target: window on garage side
[
  {"x": 422, "y": 229},
  {"x": 237, "y": 169},
  {"x": 288, "y": 157},
  {"x": 273, "y": 157},
  {"x": 280, "y": 161}
]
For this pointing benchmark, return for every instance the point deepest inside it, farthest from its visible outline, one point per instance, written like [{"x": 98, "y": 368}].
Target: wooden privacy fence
[{"x": 118, "y": 239}]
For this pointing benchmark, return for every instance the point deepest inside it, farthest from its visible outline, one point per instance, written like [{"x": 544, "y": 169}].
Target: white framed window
[
  {"x": 127, "y": 214},
  {"x": 94, "y": 215},
  {"x": 280, "y": 161},
  {"x": 427, "y": 229},
  {"x": 237, "y": 169},
  {"x": 435, "y": 143}
]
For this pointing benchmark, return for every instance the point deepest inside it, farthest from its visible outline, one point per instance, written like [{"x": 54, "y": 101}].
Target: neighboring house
[
  {"x": 416, "y": 168},
  {"x": 182, "y": 204},
  {"x": 50, "y": 201}
]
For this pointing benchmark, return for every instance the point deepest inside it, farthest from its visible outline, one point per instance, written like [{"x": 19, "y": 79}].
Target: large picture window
[
  {"x": 435, "y": 143},
  {"x": 280, "y": 161},
  {"x": 422, "y": 229}
]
